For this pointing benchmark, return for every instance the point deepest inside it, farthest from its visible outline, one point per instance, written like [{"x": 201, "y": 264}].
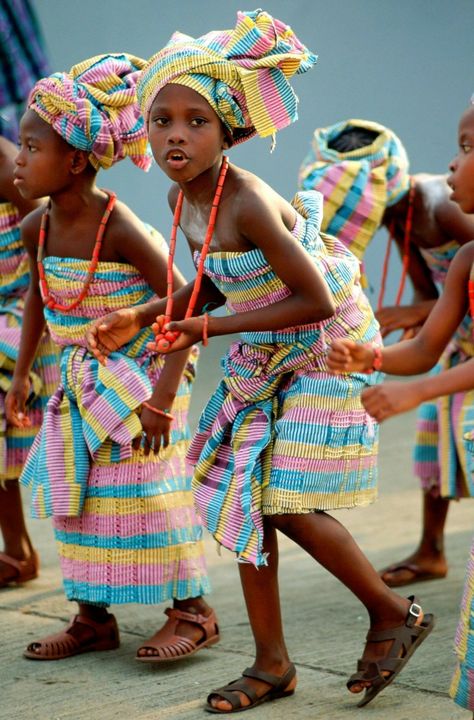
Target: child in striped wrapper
[
  {"x": 19, "y": 562},
  {"x": 109, "y": 463},
  {"x": 419, "y": 354},
  {"x": 282, "y": 440},
  {"x": 361, "y": 168}
]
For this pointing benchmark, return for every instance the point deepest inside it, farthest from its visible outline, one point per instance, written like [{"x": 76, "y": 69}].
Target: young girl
[
  {"x": 109, "y": 463},
  {"x": 19, "y": 562},
  {"x": 282, "y": 440},
  {"x": 361, "y": 168},
  {"x": 417, "y": 355}
]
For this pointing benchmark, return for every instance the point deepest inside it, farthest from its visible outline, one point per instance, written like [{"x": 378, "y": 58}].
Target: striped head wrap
[
  {"x": 94, "y": 108},
  {"x": 243, "y": 73},
  {"x": 358, "y": 185}
]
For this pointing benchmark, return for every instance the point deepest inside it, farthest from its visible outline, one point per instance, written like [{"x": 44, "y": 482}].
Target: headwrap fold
[
  {"x": 358, "y": 185},
  {"x": 243, "y": 73},
  {"x": 94, "y": 108}
]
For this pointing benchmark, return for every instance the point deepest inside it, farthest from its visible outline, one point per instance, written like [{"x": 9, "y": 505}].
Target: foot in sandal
[
  {"x": 253, "y": 688},
  {"x": 184, "y": 633},
  {"x": 388, "y": 650},
  {"x": 83, "y": 634}
]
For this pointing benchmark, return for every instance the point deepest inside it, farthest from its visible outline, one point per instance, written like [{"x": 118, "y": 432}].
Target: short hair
[{"x": 352, "y": 138}]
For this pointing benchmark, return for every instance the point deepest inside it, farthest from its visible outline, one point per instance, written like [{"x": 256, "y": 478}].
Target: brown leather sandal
[
  {"x": 168, "y": 647},
  {"x": 406, "y": 639},
  {"x": 62, "y": 644},
  {"x": 278, "y": 689},
  {"x": 25, "y": 569}
]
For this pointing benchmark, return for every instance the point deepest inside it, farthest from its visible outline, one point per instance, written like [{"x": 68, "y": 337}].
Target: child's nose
[{"x": 453, "y": 164}]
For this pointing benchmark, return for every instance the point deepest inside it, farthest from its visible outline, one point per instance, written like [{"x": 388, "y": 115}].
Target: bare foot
[{"x": 417, "y": 567}]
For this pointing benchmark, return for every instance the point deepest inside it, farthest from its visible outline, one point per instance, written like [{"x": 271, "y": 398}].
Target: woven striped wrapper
[
  {"x": 243, "y": 73},
  {"x": 14, "y": 278},
  {"x": 357, "y": 186},
  {"x": 462, "y": 684},
  {"x": 94, "y": 108},
  {"x": 442, "y": 425},
  {"x": 281, "y": 434},
  {"x": 124, "y": 522}
]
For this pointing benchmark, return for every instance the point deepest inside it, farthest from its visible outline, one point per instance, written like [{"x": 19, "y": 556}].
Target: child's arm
[
  {"x": 33, "y": 324},
  {"x": 258, "y": 217},
  {"x": 418, "y": 355},
  {"x": 391, "y": 398}
]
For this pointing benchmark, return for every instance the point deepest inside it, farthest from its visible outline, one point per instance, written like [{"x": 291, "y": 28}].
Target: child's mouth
[{"x": 176, "y": 159}]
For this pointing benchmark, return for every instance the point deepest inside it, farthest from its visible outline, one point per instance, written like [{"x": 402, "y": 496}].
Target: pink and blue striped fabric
[
  {"x": 124, "y": 522},
  {"x": 243, "y": 73},
  {"x": 14, "y": 278},
  {"x": 282, "y": 434}
]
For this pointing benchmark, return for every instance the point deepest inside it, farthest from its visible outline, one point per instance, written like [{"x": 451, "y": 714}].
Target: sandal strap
[
  {"x": 277, "y": 682},
  {"x": 207, "y": 623}
]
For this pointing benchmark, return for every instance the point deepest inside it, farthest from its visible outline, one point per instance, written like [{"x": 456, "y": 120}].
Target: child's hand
[
  {"x": 390, "y": 398},
  {"x": 111, "y": 332},
  {"x": 347, "y": 356},
  {"x": 406, "y": 318},
  {"x": 15, "y": 404},
  {"x": 156, "y": 432},
  {"x": 186, "y": 332}
]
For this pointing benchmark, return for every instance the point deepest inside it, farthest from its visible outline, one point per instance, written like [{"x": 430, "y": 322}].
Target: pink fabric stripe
[{"x": 132, "y": 574}]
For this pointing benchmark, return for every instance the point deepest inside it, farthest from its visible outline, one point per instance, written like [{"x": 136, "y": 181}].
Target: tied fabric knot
[
  {"x": 357, "y": 185},
  {"x": 92, "y": 404},
  {"x": 243, "y": 73},
  {"x": 235, "y": 433},
  {"x": 93, "y": 107}
]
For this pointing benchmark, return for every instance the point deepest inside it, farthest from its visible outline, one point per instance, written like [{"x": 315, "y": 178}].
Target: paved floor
[{"x": 325, "y": 629}]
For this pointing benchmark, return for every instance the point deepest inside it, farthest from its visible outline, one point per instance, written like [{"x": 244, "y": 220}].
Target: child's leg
[
  {"x": 328, "y": 542},
  {"x": 17, "y": 543},
  {"x": 92, "y": 629},
  {"x": 190, "y": 620},
  {"x": 429, "y": 560},
  {"x": 260, "y": 588}
]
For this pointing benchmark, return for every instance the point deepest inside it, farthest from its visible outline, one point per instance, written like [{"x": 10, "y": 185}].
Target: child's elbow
[{"x": 327, "y": 310}]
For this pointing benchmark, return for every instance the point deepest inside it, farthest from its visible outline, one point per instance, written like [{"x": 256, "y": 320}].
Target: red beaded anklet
[
  {"x": 43, "y": 234},
  {"x": 165, "y": 339}
]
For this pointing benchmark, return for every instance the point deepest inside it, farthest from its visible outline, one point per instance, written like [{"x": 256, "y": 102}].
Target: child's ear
[{"x": 79, "y": 161}]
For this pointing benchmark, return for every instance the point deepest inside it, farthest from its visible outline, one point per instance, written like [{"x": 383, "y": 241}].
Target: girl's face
[
  {"x": 44, "y": 159},
  {"x": 186, "y": 136},
  {"x": 461, "y": 179}
]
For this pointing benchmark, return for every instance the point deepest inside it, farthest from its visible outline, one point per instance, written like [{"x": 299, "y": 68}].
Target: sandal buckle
[{"x": 415, "y": 610}]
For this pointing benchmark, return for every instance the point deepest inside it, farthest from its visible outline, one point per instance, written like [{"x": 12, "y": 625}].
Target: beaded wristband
[
  {"x": 164, "y": 413},
  {"x": 377, "y": 360},
  {"x": 205, "y": 327}
]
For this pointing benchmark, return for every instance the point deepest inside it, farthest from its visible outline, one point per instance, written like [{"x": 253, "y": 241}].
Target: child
[
  {"x": 361, "y": 168},
  {"x": 123, "y": 516},
  {"x": 422, "y": 352},
  {"x": 19, "y": 562},
  {"x": 281, "y": 441}
]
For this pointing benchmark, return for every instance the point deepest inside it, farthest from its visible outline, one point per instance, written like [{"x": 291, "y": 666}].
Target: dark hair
[{"x": 352, "y": 138}]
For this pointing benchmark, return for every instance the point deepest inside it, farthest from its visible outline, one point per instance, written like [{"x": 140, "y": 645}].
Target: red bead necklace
[
  {"x": 164, "y": 339},
  {"x": 406, "y": 251},
  {"x": 43, "y": 234}
]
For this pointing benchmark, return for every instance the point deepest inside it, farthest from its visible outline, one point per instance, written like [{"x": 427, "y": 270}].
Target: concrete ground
[{"x": 325, "y": 627}]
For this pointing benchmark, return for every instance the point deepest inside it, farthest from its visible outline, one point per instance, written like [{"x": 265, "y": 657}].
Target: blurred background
[{"x": 402, "y": 63}]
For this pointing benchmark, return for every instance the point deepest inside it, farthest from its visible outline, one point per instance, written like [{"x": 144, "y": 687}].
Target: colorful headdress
[
  {"x": 358, "y": 185},
  {"x": 243, "y": 73},
  {"x": 94, "y": 108}
]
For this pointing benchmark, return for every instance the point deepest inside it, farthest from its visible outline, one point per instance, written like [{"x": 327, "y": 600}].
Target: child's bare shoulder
[
  {"x": 30, "y": 227},
  {"x": 251, "y": 195}
]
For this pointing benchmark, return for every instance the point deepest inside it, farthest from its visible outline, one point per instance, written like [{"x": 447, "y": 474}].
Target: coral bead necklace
[
  {"x": 164, "y": 339},
  {"x": 48, "y": 300}
]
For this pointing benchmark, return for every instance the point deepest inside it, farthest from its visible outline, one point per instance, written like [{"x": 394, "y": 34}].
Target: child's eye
[
  {"x": 198, "y": 122},
  {"x": 31, "y": 148},
  {"x": 160, "y": 121},
  {"x": 465, "y": 147}
]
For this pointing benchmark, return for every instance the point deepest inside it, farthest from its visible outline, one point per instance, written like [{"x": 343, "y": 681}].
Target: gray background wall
[{"x": 405, "y": 63}]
